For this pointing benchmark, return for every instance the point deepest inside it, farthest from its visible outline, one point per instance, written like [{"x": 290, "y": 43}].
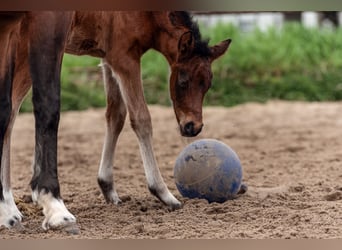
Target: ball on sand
[{"x": 208, "y": 169}]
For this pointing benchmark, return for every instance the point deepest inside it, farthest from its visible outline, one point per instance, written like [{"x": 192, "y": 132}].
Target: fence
[{"x": 248, "y": 20}]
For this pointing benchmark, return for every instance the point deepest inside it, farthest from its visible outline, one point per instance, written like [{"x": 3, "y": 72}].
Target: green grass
[{"x": 292, "y": 63}]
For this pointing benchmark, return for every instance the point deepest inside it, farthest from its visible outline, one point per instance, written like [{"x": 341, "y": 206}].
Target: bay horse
[{"x": 32, "y": 48}]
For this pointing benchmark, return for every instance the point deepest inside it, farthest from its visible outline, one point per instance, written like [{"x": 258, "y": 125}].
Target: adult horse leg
[
  {"x": 133, "y": 96},
  {"x": 9, "y": 213},
  {"x": 115, "y": 118},
  {"x": 47, "y": 37}
]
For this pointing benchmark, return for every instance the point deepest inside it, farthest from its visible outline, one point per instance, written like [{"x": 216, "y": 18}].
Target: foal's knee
[
  {"x": 116, "y": 116},
  {"x": 142, "y": 124}
]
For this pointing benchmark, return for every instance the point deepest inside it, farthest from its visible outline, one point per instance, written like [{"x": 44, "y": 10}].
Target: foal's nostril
[{"x": 189, "y": 128}]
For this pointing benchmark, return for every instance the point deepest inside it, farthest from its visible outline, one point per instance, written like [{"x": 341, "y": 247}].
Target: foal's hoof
[
  {"x": 166, "y": 197},
  {"x": 243, "y": 188},
  {"x": 175, "y": 206},
  {"x": 113, "y": 198}
]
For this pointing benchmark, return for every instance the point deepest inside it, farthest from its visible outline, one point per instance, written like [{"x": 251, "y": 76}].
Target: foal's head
[{"x": 191, "y": 78}]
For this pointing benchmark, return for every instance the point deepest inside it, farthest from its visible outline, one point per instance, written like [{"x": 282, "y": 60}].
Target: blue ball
[{"x": 208, "y": 169}]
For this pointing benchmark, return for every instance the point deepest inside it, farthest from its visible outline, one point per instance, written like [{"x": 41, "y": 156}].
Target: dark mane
[{"x": 183, "y": 18}]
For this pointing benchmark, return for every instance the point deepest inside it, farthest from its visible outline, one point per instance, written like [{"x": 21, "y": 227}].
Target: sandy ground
[{"x": 291, "y": 155}]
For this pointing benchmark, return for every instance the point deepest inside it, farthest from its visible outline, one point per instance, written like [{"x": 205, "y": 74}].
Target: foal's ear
[
  {"x": 186, "y": 45},
  {"x": 219, "y": 49}
]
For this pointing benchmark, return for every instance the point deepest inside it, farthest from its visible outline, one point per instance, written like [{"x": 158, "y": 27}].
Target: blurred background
[{"x": 274, "y": 55}]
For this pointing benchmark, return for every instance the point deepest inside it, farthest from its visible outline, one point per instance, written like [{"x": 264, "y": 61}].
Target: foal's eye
[
  {"x": 183, "y": 83},
  {"x": 204, "y": 85},
  {"x": 183, "y": 79}
]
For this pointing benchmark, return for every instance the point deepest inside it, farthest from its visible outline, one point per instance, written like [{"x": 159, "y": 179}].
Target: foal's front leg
[
  {"x": 48, "y": 32},
  {"x": 115, "y": 118},
  {"x": 133, "y": 96}
]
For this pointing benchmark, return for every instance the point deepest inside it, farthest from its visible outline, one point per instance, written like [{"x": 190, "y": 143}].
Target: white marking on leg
[
  {"x": 54, "y": 210},
  {"x": 153, "y": 176},
  {"x": 36, "y": 171},
  {"x": 9, "y": 213},
  {"x": 35, "y": 197},
  {"x": 105, "y": 170}
]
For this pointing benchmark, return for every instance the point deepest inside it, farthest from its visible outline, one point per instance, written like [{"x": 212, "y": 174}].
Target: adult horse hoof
[
  {"x": 56, "y": 214},
  {"x": 15, "y": 224},
  {"x": 69, "y": 228},
  {"x": 64, "y": 222},
  {"x": 72, "y": 229},
  {"x": 10, "y": 216},
  {"x": 57, "y": 221}
]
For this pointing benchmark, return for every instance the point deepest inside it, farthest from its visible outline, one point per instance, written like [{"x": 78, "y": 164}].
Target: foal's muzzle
[{"x": 190, "y": 129}]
